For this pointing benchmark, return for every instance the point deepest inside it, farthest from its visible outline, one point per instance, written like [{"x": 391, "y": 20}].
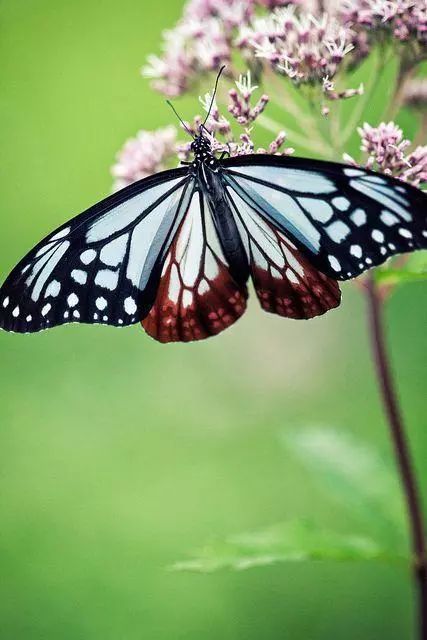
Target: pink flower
[
  {"x": 404, "y": 19},
  {"x": 387, "y": 152},
  {"x": 191, "y": 49},
  {"x": 303, "y": 47},
  {"x": 147, "y": 153},
  {"x": 240, "y": 105},
  {"x": 201, "y": 42}
]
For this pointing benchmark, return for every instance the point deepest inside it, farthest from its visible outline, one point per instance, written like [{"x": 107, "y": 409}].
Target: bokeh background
[{"x": 119, "y": 455}]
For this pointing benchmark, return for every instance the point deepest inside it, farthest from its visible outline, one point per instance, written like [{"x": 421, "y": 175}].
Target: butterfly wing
[
  {"x": 102, "y": 266},
  {"x": 197, "y": 296},
  {"x": 285, "y": 281},
  {"x": 344, "y": 220}
]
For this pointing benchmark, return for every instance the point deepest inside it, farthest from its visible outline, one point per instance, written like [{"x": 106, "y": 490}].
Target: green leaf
[
  {"x": 354, "y": 474},
  {"x": 293, "y": 541},
  {"x": 414, "y": 270}
]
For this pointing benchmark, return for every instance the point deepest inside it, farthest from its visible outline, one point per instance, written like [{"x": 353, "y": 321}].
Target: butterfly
[{"x": 176, "y": 250}]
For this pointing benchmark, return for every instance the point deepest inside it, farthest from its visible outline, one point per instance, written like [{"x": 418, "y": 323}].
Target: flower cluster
[
  {"x": 147, "y": 153},
  {"x": 404, "y": 19},
  {"x": 303, "y": 47},
  {"x": 297, "y": 38},
  {"x": 388, "y": 152},
  {"x": 201, "y": 42}
]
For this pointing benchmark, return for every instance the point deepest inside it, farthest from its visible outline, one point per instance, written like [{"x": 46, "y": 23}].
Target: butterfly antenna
[
  {"x": 179, "y": 118},
  {"x": 214, "y": 94}
]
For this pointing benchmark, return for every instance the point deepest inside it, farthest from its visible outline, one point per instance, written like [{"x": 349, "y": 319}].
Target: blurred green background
[{"x": 120, "y": 455}]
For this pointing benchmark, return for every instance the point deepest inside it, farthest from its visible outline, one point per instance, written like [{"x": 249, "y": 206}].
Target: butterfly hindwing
[
  {"x": 344, "y": 219},
  {"x": 284, "y": 280},
  {"x": 100, "y": 267},
  {"x": 197, "y": 296}
]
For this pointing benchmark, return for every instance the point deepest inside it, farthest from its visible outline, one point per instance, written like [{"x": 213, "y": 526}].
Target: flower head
[
  {"x": 403, "y": 19},
  {"x": 302, "y": 46},
  {"x": 147, "y": 153},
  {"x": 387, "y": 151}
]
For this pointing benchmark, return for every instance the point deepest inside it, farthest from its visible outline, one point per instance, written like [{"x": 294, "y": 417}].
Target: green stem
[
  {"x": 405, "y": 72},
  {"x": 306, "y": 143},
  {"x": 362, "y": 101}
]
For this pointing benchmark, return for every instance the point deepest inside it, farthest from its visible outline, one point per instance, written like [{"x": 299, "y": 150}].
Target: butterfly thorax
[{"x": 203, "y": 155}]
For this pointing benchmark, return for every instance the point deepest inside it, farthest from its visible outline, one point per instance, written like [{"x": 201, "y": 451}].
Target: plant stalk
[{"x": 401, "y": 449}]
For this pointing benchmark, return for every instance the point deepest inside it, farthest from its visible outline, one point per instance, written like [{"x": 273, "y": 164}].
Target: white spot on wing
[
  {"x": 61, "y": 234},
  {"x": 337, "y": 231},
  {"x": 356, "y": 250},
  {"x": 291, "y": 276},
  {"x": 15, "y": 312},
  {"x": 101, "y": 303},
  {"x": 359, "y": 217},
  {"x": 88, "y": 256},
  {"x": 47, "y": 307},
  {"x": 334, "y": 263},
  {"x": 389, "y": 218},
  {"x": 374, "y": 179},
  {"x": 79, "y": 276},
  {"x": 114, "y": 252},
  {"x": 318, "y": 209},
  {"x": 352, "y": 173},
  {"x": 187, "y": 298},
  {"x": 341, "y": 203},
  {"x": 292, "y": 261},
  {"x": 174, "y": 284},
  {"x": 107, "y": 279},
  {"x": 203, "y": 287},
  {"x": 377, "y": 235},
  {"x": 52, "y": 289},
  {"x": 6, "y": 302},
  {"x": 130, "y": 306},
  {"x": 211, "y": 266},
  {"x": 43, "y": 250},
  {"x": 405, "y": 233},
  {"x": 72, "y": 300}
]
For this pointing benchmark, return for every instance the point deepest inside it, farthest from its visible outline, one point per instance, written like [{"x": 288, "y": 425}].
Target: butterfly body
[{"x": 174, "y": 251}]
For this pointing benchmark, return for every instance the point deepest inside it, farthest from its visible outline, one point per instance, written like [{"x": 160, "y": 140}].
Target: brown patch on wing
[
  {"x": 197, "y": 297},
  {"x": 291, "y": 287}
]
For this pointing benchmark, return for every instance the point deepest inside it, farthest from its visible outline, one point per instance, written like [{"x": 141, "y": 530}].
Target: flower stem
[
  {"x": 269, "y": 124},
  {"x": 401, "y": 449}
]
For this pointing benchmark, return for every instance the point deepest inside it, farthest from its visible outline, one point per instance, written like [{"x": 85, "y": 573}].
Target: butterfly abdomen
[{"x": 229, "y": 236}]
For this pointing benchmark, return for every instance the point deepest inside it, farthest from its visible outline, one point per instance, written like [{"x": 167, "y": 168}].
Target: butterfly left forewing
[
  {"x": 344, "y": 219},
  {"x": 100, "y": 266}
]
